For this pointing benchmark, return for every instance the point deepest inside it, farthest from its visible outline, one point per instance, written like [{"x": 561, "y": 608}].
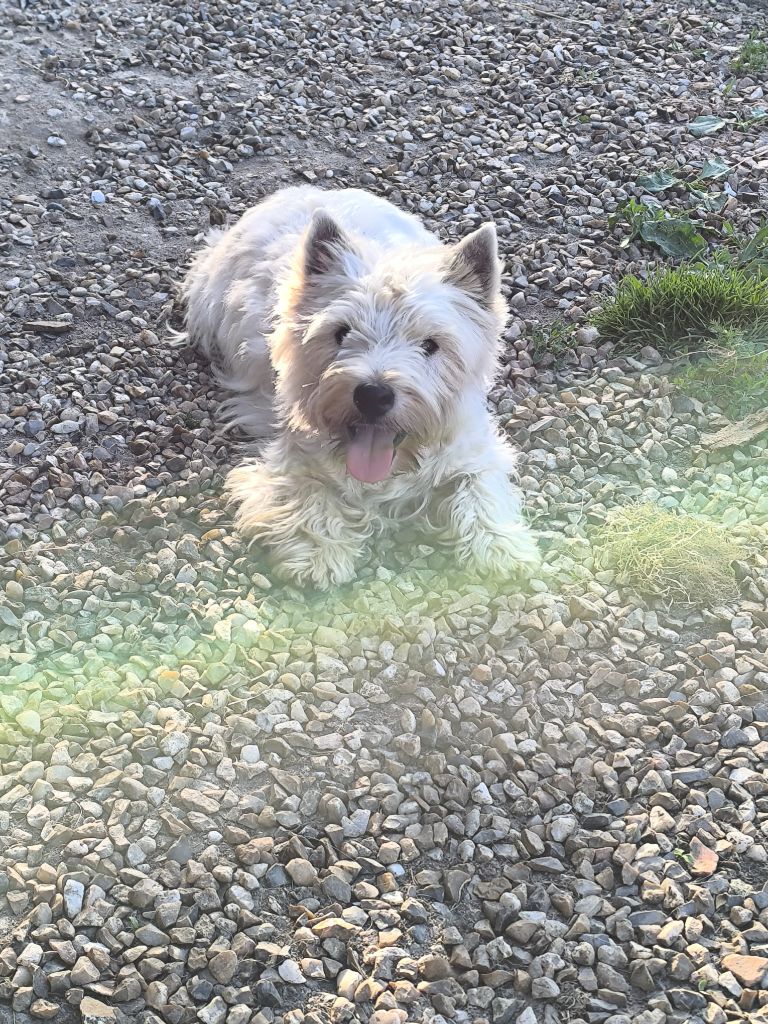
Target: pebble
[
  {"x": 301, "y": 872},
  {"x": 751, "y": 971},
  {"x": 290, "y": 971},
  {"x": 93, "y": 1011}
]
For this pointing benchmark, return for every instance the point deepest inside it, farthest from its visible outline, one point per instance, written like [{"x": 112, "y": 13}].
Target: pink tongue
[{"x": 370, "y": 454}]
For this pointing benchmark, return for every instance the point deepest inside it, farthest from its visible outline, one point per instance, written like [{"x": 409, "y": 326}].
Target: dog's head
[{"x": 373, "y": 347}]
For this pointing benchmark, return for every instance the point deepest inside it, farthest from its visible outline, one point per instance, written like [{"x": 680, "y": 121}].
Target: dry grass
[{"x": 674, "y": 556}]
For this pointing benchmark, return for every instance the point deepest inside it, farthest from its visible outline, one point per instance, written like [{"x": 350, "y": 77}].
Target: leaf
[
  {"x": 651, "y": 204},
  {"x": 756, "y": 247},
  {"x": 657, "y": 182},
  {"x": 707, "y": 124},
  {"x": 712, "y": 203},
  {"x": 713, "y": 169},
  {"x": 675, "y": 237}
]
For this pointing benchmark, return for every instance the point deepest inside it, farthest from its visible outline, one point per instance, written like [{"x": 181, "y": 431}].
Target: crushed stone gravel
[{"x": 425, "y": 798}]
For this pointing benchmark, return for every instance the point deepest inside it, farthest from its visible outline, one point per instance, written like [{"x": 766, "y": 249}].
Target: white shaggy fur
[{"x": 314, "y": 293}]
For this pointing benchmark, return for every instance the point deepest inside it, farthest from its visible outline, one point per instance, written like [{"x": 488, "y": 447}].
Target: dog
[{"x": 364, "y": 349}]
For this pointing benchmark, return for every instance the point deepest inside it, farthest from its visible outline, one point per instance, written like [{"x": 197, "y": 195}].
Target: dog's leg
[
  {"x": 312, "y": 537},
  {"x": 481, "y": 516}
]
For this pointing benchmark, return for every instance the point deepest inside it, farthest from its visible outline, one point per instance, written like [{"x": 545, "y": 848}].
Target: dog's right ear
[
  {"x": 474, "y": 265},
  {"x": 325, "y": 245}
]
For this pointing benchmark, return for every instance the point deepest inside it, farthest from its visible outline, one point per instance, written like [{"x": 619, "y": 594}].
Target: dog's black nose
[{"x": 374, "y": 400}]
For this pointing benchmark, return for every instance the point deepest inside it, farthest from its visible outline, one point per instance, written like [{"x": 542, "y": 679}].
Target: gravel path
[{"x": 421, "y": 799}]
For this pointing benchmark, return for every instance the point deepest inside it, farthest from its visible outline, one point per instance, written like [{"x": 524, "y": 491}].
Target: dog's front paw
[
  {"x": 501, "y": 553},
  {"x": 309, "y": 541},
  {"x": 321, "y": 565}
]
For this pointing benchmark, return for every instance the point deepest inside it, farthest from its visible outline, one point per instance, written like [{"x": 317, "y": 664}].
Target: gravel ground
[{"x": 423, "y": 798}]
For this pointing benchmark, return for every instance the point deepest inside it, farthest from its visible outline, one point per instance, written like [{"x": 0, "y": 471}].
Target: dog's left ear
[
  {"x": 474, "y": 267},
  {"x": 324, "y": 245}
]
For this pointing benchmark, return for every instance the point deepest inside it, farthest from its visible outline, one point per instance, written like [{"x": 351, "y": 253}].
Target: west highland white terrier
[{"x": 365, "y": 349}]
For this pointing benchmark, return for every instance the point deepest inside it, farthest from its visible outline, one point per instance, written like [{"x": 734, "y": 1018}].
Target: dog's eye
[
  {"x": 341, "y": 333},
  {"x": 430, "y": 346}
]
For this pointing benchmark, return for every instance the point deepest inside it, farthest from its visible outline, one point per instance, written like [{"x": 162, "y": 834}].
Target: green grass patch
[
  {"x": 673, "y": 556},
  {"x": 733, "y": 374},
  {"x": 753, "y": 55},
  {"x": 679, "y": 308}
]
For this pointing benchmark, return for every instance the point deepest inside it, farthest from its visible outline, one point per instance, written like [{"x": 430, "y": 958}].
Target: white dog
[{"x": 343, "y": 328}]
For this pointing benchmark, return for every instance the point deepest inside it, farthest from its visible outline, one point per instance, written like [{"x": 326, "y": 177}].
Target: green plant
[
  {"x": 748, "y": 253},
  {"x": 647, "y": 219},
  {"x": 670, "y": 230},
  {"x": 677, "y": 308},
  {"x": 659, "y": 181},
  {"x": 753, "y": 55},
  {"x": 636, "y": 214},
  {"x": 706, "y": 124},
  {"x": 755, "y": 116},
  {"x": 555, "y": 339},
  {"x": 712, "y": 169},
  {"x": 711, "y": 124},
  {"x": 734, "y": 373},
  {"x": 674, "y": 556}
]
